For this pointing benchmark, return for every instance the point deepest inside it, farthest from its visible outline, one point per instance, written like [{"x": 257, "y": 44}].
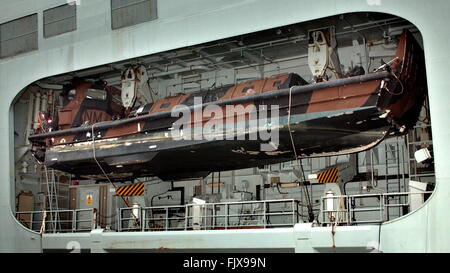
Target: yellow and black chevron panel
[
  {"x": 329, "y": 176},
  {"x": 131, "y": 190}
]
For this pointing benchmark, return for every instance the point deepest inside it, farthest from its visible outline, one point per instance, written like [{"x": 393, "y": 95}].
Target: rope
[
  {"x": 95, "y": 158},
  {"x": 386, "y": 64},
  {"x": 339, "y": 216},
  {"x": 393, "y": 74},
  {"x": 105, "y": 174},
  {"x": 401, "y": 84},
  {"x": 305, "y": 191},
  {"x": 44, "y": 218}
]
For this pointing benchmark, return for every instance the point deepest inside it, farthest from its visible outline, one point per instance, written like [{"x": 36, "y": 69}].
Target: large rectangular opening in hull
[{"x": 353, "y": 133}]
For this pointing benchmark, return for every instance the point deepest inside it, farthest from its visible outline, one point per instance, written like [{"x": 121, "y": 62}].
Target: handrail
[
  {"x": 211, "y": 216},
  {"x": 71, "y": 222},
  {"x": 345, "y": 215}
]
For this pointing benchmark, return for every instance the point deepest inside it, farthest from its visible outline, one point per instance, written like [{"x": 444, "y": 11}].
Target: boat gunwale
[{"x": 261, "y": 96}]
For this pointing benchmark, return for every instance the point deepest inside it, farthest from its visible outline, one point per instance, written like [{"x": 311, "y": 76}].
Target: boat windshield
[{"x": 96, "y": 94}]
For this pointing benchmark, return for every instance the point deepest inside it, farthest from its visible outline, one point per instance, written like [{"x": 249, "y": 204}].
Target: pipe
[
  {"x": 219, "y": 184},
  {"x": 190, "y": 68},
  {"x": 44, "y": 102},
  {"x": 233, "y": 182},
  {"x": 37, "y": 106},
  {"x": 49, "y": 86},
  {"x": 212, "y": 183},
  {"x": 262, "y": 96},
  {"x": 29, "y": 118}
]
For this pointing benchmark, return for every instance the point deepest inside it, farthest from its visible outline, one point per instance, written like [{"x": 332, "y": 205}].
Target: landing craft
[{"x": 349, "y": 114}]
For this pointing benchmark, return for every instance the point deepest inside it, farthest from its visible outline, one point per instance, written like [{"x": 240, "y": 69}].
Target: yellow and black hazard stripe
[
  {"x": 131, "y": 190},
  {"x": 329, "y": 176}
]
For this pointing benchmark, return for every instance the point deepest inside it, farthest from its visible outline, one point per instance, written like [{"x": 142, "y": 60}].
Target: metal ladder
[
  {"x": 414, "y": 144},
  {"x": 418, "y": 138},
  {"x": 52, "y": 200},
  {"x": 394, "y": 159}
]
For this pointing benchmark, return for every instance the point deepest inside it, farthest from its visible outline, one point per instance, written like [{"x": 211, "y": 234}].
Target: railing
[
  {"x": 211, "y": 216},
  {"x": 337, "y": 209},
  {"x": 78, "y": 220},
  {"x": 345, "y": 211}
]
